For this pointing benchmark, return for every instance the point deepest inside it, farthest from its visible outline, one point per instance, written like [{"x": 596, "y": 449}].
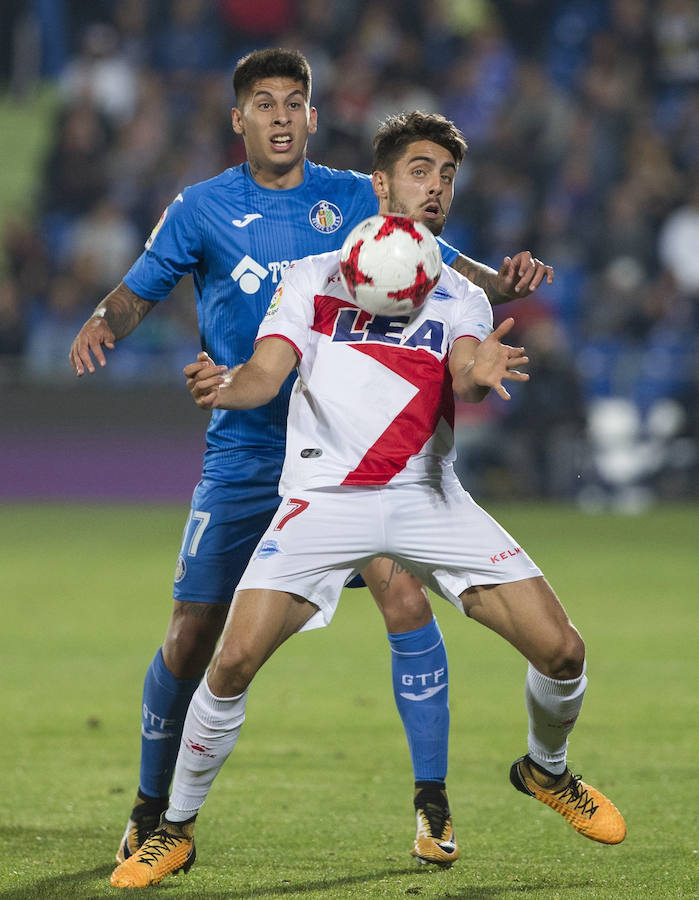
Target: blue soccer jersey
[{"x": 236, "y": 239}]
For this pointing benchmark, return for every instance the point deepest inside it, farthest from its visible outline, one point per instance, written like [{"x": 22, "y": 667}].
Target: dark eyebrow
[
  {"x": 429, "y": 159},
  {"x": 263, "y": 93}
]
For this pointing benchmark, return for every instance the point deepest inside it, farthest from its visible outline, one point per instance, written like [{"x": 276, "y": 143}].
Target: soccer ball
[{"x": 390, "y": 265}]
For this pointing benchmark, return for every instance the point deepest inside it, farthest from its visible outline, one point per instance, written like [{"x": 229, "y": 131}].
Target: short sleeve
[
  {"x": 290, "y": 312},
  {"x": 172, "y": 250},
  {"x": 473, "y": 316}
]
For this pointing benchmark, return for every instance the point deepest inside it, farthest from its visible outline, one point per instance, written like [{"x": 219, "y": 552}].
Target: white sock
[
  {"x": 553, "y": 707},
  {"x": 211, "y": 730}
]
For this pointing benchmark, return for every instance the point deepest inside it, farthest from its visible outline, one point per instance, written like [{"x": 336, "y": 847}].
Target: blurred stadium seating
[{"x": 583, "y": 123}]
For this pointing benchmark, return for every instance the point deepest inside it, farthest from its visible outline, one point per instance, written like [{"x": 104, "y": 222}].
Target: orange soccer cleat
[
  {"x": 164, "y": 852},
  {"x": 586, "y": 808}
]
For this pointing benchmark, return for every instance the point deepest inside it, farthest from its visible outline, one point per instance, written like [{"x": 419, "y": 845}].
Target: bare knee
[
  {"x": 565, "y": 658},
  {"x": 232, "y": 669},
  {"x": 191, "y": 637},
  {"x": 406, "y": 609}
]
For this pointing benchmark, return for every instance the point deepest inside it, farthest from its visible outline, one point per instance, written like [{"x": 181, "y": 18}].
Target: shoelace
[
  {"x": 578, "y": 797},
  {"x": 145, "y": 818},
  {"x": 437, "y": 817},
  {"x": 157, "y": 845},
  {"x": 144, "y": 826}
]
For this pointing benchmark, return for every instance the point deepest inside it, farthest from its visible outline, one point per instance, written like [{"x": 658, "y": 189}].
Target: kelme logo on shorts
[
  {"x": 325, "y": 217},
  {"x": 180, "y": 569}
]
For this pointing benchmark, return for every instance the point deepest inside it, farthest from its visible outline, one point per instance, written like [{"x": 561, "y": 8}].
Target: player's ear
[
  {"x": 312, "y": 120},
  {"x": 380, "y": 184},
  {"x": 237, "y": 120}
]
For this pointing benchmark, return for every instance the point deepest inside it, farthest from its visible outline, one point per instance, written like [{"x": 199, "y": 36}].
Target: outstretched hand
[
  {"x": 495, "y": 361},
  {"x": 521, "y": 274},
  {"x": 204, "y": 378}
]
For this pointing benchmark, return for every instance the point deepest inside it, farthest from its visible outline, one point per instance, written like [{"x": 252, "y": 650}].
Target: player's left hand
[
  {"x": 521, "y": 274},
  {"x": 494, "y": 361}
]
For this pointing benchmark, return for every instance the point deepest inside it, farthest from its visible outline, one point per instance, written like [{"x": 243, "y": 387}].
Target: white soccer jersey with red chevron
[{"x": 373, "y": 402}]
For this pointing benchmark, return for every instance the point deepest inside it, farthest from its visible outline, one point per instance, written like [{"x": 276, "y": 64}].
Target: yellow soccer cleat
[
  {"x": 145, "y": 817},
  {"x": 166, "y": 851},
  {"x": 435, "y": 842},
  {"x": 586, "y": 808}
]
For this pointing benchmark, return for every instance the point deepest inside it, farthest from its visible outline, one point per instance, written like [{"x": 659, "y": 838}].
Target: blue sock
[
  {"x": 165, "y": 702},
  {"x": 421, "y": 689}
]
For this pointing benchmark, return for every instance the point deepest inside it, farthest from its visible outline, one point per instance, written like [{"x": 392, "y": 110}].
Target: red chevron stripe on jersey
[
  {"x": 326, "y": 310},
  {"x": 416, "y": 422}
]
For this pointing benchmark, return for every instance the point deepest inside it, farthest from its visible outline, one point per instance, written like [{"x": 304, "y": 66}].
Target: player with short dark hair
[
  {"x": 398, "y": 132},
  {"x": 274, "y": 62},
  {"x": 236, "y": 234},
  {"x": 409, "y": 507}
]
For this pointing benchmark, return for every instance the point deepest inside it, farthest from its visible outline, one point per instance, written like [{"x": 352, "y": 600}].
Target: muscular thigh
[
  {"x": 259, "y": 621},
  {"x": 526, "y": 613}
]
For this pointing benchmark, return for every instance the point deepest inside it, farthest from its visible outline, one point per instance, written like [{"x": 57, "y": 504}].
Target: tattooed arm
[
  {"x": 518, "y": 276},
  {"x": 113, "y": 319}
]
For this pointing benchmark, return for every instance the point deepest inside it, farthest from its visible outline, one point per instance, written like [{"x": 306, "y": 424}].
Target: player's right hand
[
  {"x": 204, "y": 379},
  {"x": 92, "y": 337}
]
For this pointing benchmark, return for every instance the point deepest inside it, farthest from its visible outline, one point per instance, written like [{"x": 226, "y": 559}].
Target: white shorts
[{"x": 319, "y": 538}]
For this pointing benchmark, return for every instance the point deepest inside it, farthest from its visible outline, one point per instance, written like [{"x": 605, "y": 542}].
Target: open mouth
[
  {"x": 432, "y": 210},
  {"x": 281, "y": 141}
]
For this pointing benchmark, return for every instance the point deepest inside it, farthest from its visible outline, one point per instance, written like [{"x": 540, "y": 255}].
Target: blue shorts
[{"x": 231, "y": 508}]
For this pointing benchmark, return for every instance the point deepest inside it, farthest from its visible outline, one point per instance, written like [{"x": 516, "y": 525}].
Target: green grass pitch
[{"x": 315, "y": 801}]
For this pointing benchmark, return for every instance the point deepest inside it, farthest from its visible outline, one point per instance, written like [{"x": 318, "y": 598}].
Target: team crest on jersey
[
  {"x": 180, "y": 569},
  {"x": 273, "y": 307},
  {"x": 325, "y": 217},
  {"x": 154, "y": 232}
]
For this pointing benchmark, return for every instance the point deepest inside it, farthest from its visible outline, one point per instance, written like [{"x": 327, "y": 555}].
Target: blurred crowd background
[{"x": 582, "y": 118}]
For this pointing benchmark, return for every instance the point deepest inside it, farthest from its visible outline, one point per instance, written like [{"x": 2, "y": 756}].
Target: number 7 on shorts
[{"x": 297, "y": 506}]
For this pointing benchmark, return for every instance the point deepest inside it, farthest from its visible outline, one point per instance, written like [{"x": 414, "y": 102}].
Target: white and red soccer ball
[{"x": 390, "y": 264}]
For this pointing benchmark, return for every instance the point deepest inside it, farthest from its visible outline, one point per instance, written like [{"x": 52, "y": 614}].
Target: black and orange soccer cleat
[
  {"x": 145, "y": 817},
  {"x": 169, "y": 849},
  {"x": 435, "y": 842},
  {"x": 587, "y": 809}
]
